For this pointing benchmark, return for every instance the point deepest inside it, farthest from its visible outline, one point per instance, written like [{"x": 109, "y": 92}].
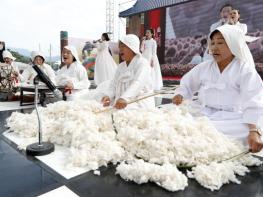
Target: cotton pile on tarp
[{"x": 148, "y": 145}]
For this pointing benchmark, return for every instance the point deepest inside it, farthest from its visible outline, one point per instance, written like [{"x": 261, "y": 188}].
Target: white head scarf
[
  {"x": 236, "y": 42},
  {"x": 34, "y": 54},
  {"x": 132, "y": 41},
  {"x": 74, "y": 52},
  {"x": 8, "y": 54}
]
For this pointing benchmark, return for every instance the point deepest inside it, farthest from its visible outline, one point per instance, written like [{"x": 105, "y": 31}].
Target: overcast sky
[{"x": 32, "y": 23}]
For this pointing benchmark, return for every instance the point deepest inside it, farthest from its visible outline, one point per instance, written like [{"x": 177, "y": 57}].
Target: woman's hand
[
  {"x": 105, "y": 101},
  {"x": 121, "y": 103},
  {"x": 177, "y": 99},
  {"x": 254, "y": 141}
]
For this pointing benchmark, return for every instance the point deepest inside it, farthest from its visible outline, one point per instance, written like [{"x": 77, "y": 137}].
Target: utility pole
[
  {"x": 110, "y": 18},
  {"x": 63, "y": 42},
  {"x": 50, "y": 54}
]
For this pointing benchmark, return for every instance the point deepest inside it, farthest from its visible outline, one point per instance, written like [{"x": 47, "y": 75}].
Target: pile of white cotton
[
  {"x": 149, "y": 144},
  {"x": 90, "y": 136},
  {"x": 172, "y": 136},
  {"x": 214, "y": 175},
  {"x": 166, "y": 175}
]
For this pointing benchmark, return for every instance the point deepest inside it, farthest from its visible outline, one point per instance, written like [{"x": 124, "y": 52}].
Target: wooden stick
[
  {"x": 136, "y": 100},
  {"x": 236, "y": 156}
]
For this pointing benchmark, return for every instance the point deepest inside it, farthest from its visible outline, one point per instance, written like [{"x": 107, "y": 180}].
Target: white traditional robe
[
  {"x": 231, "y": 99},
  {"x": 76, "y": 74},
  {"x": 105, "y": 66},
  {"x": 132, "y": 82},
  {"x": 149, "y": 51},
  {"x": 242, "y": 27},
  {"x": 29, "y": 73},
  {"x": 15, "y": 67}
]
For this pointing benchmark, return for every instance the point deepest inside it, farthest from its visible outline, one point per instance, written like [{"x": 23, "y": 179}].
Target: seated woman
[
  {"x": 9, "y": 76},
  {"x": 29, "y": 73},
  {"x": 9, "y": 59},
  {"x": 132, "y": 79},
  {"x": 73, "y": 76},
  {"x": 229, "y": 88}
]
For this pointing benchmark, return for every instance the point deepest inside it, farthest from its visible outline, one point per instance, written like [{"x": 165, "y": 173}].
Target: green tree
[{"x": 19, "y": 57}]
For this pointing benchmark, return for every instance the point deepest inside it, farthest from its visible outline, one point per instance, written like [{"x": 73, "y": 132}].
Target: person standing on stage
[
  {"x": 105, "y": 65},
  {"x": 149, "y": 51}
]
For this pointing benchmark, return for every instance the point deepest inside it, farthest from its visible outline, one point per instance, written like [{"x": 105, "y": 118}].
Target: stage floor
[{"x": 28, "y": 176}]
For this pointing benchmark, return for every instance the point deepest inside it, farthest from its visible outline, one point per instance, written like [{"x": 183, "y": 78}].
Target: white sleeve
[
  {"x": 15, "y": 67},
  {"x": 110, "y": 92},
  {"x": 154, "y": 48},
  {"x": 62, "y": 79},
  {"x": 244, "y": 28},
  {"x": 142, "y": 45},
  {"x": 190, "y": 83},
  {"x": 251, "y": 87},
  {"x": 82, "y": 81},
  {"x": 141, "y": 74},
  {"x": 51, "y": 73},
  {"x": 27, "y": 73}
]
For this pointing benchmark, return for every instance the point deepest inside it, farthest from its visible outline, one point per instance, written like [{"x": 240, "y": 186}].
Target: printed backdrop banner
[
  {"x": 188, "y": 24},
  {"x": 155, "y": 24}
]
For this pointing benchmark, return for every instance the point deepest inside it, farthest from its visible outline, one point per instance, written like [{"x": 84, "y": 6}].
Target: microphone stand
[{"x": 39, "y": 148}]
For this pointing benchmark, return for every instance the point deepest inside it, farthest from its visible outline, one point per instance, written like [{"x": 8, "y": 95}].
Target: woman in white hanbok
[
  {"x": 105, "y": 65},
  {"x": 225, "y": 16},
  {"x": 230, "y": 91},
  {"x": 29, "y": 73},
  {"x": 149, "y": 51},
  {"x": 235, "y": 16},
  {"x": 73, "y": 76},
  {"x": 132, "y": 79}
]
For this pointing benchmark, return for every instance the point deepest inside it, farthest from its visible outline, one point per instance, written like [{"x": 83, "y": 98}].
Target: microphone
[{"x": 45, "y": 79}]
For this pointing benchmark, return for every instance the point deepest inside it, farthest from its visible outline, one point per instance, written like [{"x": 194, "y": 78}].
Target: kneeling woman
[
  {"x": 132, "y": 79},
  {"x": 73, "y": 76},
  {"x": 230, "y": 90}
]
